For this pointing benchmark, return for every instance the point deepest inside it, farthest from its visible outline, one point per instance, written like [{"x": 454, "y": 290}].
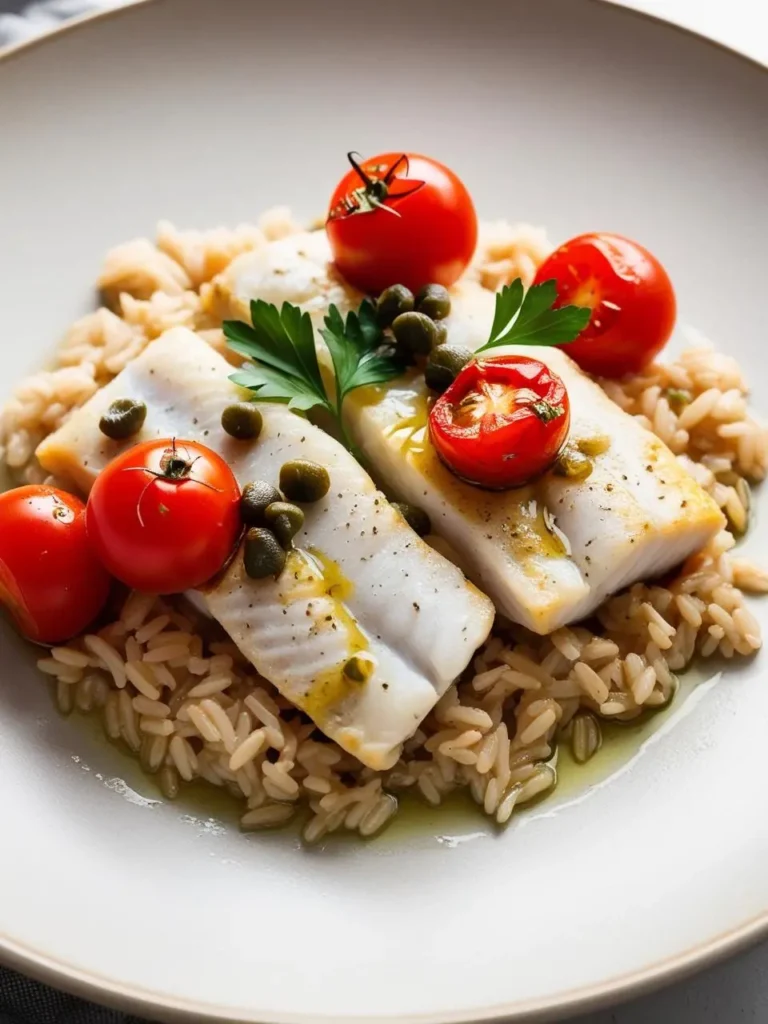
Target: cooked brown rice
[{"x": 180, "y": 695}]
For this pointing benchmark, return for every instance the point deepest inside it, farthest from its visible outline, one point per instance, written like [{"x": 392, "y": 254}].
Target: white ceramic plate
[{"x": 567, "y": 113}]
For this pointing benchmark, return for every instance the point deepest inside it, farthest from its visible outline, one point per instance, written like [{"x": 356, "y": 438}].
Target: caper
[
  {"x": 444, "y": 365},
  {"x": 263, "y": 555},
  {"x": 594, "y": 446},
  {"x": 242, "y": 420},
  {"x": 434, "y": 301},
  {"x": 441, "y": 333},
  {"x": 416, "y": 517},
  {"x": 392, "y": 302},
  {"x": 571, "y": 463},
  {"x": 359, "y": 668},
  {"x": 255, "y": 500},
  {"x": 284, "y": 520},
  {"x": 124, "y": 418},
  {"x": 301, "y": 480},
  {"x": 415, "y": 333}
]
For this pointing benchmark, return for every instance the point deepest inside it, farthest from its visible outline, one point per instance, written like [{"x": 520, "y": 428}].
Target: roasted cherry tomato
[
  {"x": 164, "y": 516},
  {"x": 401, "y": 218},
  {"x": 629, "y": 292},
  {"x": 502, "y": 422},
  {"x": 51, "y": 582}
]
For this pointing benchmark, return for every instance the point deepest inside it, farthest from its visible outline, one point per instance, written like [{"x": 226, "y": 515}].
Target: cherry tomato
[
  {"x": 502, "y": 422},
  {"x": 401, "y": 218},
  {"x": 164, "y": 515},
  {"x": 630, "y": 293},
  {"x": 51, "y": 582}
]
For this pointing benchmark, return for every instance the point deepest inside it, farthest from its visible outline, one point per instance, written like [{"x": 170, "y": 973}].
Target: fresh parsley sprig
[
  {"x": 527, "y": 317},
  {"x": 284, "y": 367}
]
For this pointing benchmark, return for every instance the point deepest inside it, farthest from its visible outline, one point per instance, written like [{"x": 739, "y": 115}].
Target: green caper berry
[
  {"x": 444, "y": 366},
  {"x": 415, "y": 332},
  {"x": 441, "y": 333},
  {"x": 594, "y": 446},
  {"x": 392, "y": 302},
  {"x": 434, "y": 301},
  {"x": 573, "y": 464},
  {"x": 359, "y": 668},
  {"x": 124, "y": 418},
  {"x": 304, "y": 481},
  {"x": 284, "y": 520},
  {"x": 255, "y": 500},
  {"x": 416, "y": 517},
  {"x": 242, "y": 420},
  {"x": 263, "y": 555}
]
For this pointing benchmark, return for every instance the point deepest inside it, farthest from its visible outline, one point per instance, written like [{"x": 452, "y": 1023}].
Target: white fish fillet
[
  {"x": 361, "y": 581},
  {"x": 547, "y": 554}
]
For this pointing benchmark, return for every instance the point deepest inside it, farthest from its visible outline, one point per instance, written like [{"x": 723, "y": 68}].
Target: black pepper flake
[
  {"x": 375, "y": 529},
  {"x": 609, "y": 487},
  {"x": 684, "y": 503},
  {"x": 624, "y": 476},
  {"x": 416, "y": 606},
  {"x": 195, "y": 420},
  {"x": 206, "y": 433}
]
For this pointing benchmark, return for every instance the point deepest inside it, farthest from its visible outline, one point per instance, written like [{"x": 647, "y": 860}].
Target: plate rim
[{"x": 105, "y": 991}]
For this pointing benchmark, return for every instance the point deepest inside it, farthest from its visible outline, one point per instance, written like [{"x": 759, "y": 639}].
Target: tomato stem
[
  {"x": 356, "y": 165},
  {"x": 375, "y": 191}
]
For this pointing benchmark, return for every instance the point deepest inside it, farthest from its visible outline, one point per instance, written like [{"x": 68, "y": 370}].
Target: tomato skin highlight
[
  {"x": 430, "y": 242},
  {"x": 633, "y": 301},
  {"x": 502, "y": 422},
  {"x": 51, "y": 581},
  {"x": 164, "y": 535}
]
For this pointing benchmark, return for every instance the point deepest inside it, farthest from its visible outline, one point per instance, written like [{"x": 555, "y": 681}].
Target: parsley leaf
[
  {"x": 361, "y": 354},
  {"x": 284, "y": 367},
  {"x": 282, "y": 347},
  {"x": 527, "y": 318}
]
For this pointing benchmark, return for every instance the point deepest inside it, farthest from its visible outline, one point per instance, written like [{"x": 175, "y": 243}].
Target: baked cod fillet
[
  {"x": 549, "y": 553},
  {"x": 360, "y": 585}
]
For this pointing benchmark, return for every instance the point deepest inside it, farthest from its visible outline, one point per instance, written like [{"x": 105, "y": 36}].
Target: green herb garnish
[
  {"x": 527, "y": 318},
  {"x": 281, "y": 346},
  {"x": 678, "y": 398}
]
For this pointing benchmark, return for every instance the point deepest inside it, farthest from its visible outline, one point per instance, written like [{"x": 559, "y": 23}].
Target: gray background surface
[{"x": 732, "y": 993}]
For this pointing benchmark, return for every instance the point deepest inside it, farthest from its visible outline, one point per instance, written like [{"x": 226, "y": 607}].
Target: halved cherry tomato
[
  {"x": 164, "y": 516},
  {"x": 502, "y": 422},
  {"x": 630, "y": 293},
  {"x": 51, "y": 582},
  {"x": 401, "y": 218}
]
